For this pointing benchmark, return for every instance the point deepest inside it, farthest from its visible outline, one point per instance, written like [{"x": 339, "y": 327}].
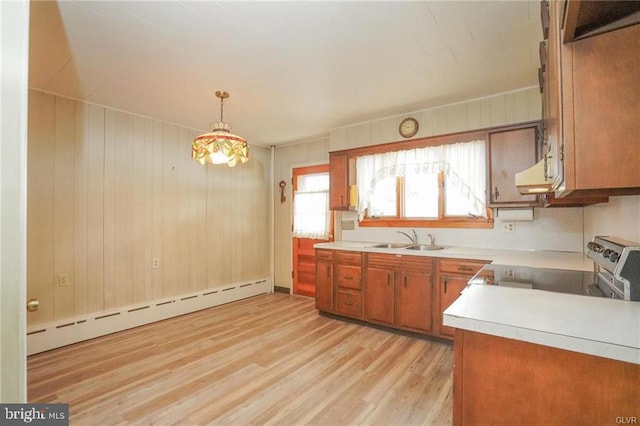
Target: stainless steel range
[{"x": 616, "y": 267}]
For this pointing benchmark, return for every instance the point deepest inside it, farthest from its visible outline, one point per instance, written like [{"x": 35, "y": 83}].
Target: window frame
[{"x": 442, "y": 221}]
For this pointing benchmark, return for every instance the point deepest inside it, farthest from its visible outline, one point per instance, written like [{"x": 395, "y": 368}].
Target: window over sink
[{"x": 433, "y": 186}]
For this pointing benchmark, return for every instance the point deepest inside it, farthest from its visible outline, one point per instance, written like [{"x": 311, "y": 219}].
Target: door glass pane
[
  {"x": 383, "y": 198},
  {"x": 421, "y": 195},
  {"x": 314, "y": 182}
]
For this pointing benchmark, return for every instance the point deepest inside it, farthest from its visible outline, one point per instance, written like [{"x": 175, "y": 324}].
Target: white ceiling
[{"x": 294, "y": 69}]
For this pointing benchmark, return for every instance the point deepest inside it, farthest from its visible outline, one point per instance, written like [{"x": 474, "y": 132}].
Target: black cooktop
[{"x": 556, "y": 280}]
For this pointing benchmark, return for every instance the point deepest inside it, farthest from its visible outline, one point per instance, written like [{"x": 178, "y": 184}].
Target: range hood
[{"x": 534, "y": 180}]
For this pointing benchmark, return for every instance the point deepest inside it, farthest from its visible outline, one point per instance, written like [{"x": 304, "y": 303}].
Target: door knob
[{"x": 32, "y": 305}]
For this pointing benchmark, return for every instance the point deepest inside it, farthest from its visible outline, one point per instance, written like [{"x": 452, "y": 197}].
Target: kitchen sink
[
  {"x": 424, "y": 247},
  {"x": 391, "y": 245}
]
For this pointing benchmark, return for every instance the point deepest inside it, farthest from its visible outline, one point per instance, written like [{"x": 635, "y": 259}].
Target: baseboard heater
[{"x": 53, "y": 335}]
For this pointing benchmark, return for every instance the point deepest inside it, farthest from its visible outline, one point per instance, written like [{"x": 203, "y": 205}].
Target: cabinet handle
[
  {"x": 547, "y": 175},
  {"x": 342, "y": 199},
  {"x": 496, "y": 193},
  {"x": 405, "y": 281},
  {"x": 348, "y": 277},
  {"x": 328, "y": 268},
  {"x": 388, "y": 280},
  {"x": 445, "y": 286},
  {"x": 465, "y": 268}
]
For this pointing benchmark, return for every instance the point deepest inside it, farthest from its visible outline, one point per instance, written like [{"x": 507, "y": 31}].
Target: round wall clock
[{"x": 408, "y": 127}]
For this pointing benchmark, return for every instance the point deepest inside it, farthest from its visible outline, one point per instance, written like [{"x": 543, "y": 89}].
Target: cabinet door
[
  {"x": 510, "y": 152},
  {"x": 324, "y": 286},
  {"x": 379, "y": 295},
  {"x": 552, "y": 114},
  {"x": 413, "y": 300},
  {"x": 450, "y": 289},
  {"x": 606, "y": 107},
  {"x": 338, "y": 181}
]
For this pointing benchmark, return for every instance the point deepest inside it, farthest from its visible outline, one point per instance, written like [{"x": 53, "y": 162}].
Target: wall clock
[{"x": 408, "y": 127}]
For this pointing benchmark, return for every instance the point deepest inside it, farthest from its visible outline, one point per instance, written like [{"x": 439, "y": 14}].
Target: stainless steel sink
[
  {"x": 424, "y": 247},
  {"x": 391, "y": 245}
]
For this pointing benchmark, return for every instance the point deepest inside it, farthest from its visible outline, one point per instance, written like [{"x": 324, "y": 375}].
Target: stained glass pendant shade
[{"x": 220, "y": 146}]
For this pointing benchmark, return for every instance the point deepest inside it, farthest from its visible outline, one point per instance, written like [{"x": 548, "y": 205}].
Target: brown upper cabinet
[
  {"x": 591, "y": 105},
  {"x": 338, "y": 181},
  {"x": 601, "y": 83},
  {"x": 510, "y": 151},
  {"x": 593, "y": 17}
]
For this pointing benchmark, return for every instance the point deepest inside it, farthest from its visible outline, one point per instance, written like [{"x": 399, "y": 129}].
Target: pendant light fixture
[{"x": 220, "y": 145}]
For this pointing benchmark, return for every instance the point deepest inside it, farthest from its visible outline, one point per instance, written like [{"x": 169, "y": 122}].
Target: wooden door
[
  {"x": 450, "y": 288},
  {"x": 303, "y": 271},
  {"x": 413, "y": 300},
  {"x": 379, "y": 295}
]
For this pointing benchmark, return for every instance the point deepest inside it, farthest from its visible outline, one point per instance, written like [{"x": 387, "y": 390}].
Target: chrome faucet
[
  {"x": 413, "y": 239},
  {"x": 431, "y": 240}
]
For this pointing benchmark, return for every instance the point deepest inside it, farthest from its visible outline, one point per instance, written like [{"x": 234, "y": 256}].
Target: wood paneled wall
[
  {"x": 110, "y": 191},
  {"x": 497, "y": 110}
]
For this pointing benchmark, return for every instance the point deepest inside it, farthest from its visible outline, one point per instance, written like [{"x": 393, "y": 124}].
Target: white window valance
[{"x": 464, "y": 165}]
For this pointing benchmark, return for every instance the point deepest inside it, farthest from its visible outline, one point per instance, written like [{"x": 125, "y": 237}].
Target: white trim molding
[{"x": 53, "y": 335}]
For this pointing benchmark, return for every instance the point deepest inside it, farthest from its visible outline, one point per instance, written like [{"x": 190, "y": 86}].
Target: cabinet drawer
[
  {"x": 349, "y": 276},
  {"x": 400, "y": 261},
  {"x": 349, "y": 258},
  {"x": 464, "y": 267},
  {"x": 324, "y": 255},
  {"x": 349, "y": 303}
]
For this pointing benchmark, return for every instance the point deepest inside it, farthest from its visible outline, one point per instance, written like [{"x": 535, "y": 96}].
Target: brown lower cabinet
[
  {"x": 398, "y": 291},
  {"x": 453, "y": 275},
  {"x": 394, "y": 290},
  {"x": 500, "y": 381},
  {"x": 348, "y": 284}
]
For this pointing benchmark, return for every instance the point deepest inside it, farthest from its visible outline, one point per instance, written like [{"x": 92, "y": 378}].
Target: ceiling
[{"x": 294, "y": 69}]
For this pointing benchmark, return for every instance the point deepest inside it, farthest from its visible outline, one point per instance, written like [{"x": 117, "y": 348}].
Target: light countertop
[
  {"x": 592, "y": 325},
  {"x": 531, "y": 258},
  {"x": 597, "y": 326}
]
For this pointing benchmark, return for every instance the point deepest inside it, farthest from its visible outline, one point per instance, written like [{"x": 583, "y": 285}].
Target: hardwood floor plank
[{"x": 270, "y": 359}]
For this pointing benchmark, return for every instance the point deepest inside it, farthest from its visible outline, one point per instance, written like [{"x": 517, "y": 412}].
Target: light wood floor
[{"x": 270, "y": 359}]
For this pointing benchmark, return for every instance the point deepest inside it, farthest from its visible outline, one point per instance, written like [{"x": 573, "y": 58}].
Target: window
[
  {"x": 436, "y": 186},
  {"x": 311, "y": 217}
]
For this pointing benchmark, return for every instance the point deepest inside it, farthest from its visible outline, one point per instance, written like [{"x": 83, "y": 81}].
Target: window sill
[{"x": 423, "y": 223}]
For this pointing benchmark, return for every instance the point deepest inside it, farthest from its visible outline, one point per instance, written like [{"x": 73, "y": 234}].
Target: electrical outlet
[
  {"x": 63, "y": 280},
  {"x": 156, "y": 263},
  {"x": 509, "y": 273},
  {"x": 508, "y": 226}
]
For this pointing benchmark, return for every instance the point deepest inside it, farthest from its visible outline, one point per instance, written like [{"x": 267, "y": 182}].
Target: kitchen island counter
[{"x": 591, "y": 325}]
